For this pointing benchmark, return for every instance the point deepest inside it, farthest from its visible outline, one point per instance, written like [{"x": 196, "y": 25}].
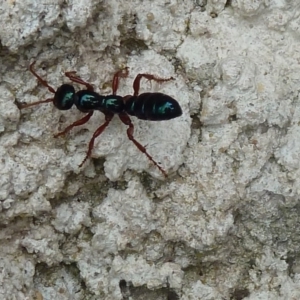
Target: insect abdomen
[{"x": 153, "y": 107}]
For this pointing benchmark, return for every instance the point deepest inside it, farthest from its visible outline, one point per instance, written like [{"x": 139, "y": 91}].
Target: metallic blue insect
[{"x": 146, "y": 106}]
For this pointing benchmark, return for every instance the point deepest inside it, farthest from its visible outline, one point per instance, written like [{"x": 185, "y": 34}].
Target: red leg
[
  {"x": 73, "y": 77},
  {"x": 40, "y": 79},
  {"x": 115, "y": 83},
  {"x": 21, "y": 105},
  {"x": 44, "y": 83},
  {"x": 136, "y": 83},
  {"x": 77, "y": 123},
  {"x": 126, "y": 120},
  {"x": 108, "y": 118}
]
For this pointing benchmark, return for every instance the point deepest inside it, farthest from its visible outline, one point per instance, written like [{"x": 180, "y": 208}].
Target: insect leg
[
  {"x": 108, "y": 118},
  {"x": 44, "y": 83},
  {"x": 126, "y": 120},
  {"x": 73, "y": 77},
  {"x": 136, "y": 83},
  {"x": 40, "y": 79},
  {"x": 21, "y": 105},
  {"x": 115, "y": 83},
  {"x": 76, "y": 123}
]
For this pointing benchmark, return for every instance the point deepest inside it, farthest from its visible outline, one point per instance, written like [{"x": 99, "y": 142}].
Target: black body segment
[
  {"x": 146, "y": 106},
  {"x": 153, "y": 107},
  {"x": 113, "y": 103},
  {"x": 64, "y": 97},
  {"x": 86, "y": 100}
]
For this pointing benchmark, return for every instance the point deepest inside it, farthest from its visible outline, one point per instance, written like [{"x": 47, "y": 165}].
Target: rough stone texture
[{"x": 224, "y": 225}]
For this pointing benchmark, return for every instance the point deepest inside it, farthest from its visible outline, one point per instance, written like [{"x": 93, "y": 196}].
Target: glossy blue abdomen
[{"x": 153, "y": 107}]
